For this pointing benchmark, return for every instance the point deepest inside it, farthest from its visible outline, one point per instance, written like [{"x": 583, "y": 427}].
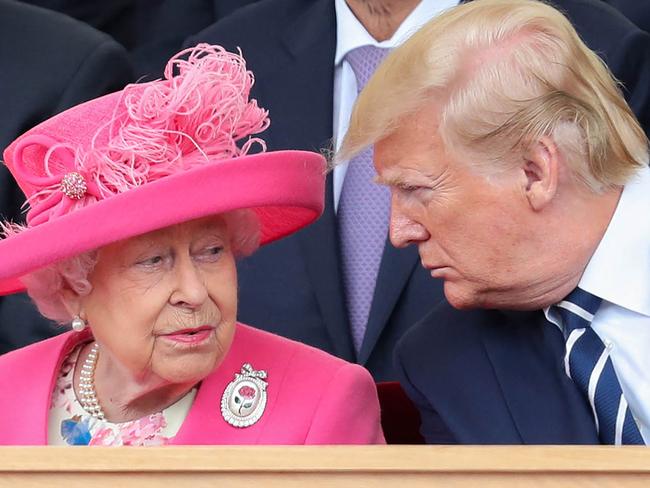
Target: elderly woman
[{"x": 139, "y": 203}]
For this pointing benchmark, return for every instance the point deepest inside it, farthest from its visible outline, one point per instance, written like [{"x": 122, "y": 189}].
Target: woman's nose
[{"x": 190, "y": 290}]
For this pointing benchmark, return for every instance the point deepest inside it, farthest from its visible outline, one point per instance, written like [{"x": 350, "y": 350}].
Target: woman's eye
[
  {"x": 214, "y": 250},
  {"x": 151, "y": 261},
  {"x": 210, "y": 253}
]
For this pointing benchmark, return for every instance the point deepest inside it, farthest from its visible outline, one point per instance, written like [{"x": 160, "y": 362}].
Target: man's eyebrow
[{"x": 388, "y": 180}]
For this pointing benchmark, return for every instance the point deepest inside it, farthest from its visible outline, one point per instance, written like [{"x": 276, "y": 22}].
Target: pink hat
[{"x": 150, "y": 156}]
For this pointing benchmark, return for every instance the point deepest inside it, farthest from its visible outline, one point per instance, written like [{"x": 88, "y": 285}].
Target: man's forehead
[
  {"x": 410, "y": 149},
  {"x": 417, "y": 131}
]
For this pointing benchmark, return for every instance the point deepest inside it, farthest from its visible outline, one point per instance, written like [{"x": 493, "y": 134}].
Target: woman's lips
[{"x": 192, "y": 336}]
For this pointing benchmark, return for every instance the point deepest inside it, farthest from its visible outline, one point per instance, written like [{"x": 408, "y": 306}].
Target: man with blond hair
[
  {"x": 353, "y": 294},
  {"x": 520, "y": 173}
]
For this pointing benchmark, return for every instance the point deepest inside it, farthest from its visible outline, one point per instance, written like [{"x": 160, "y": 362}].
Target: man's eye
[{"x": 410, "y": 188}]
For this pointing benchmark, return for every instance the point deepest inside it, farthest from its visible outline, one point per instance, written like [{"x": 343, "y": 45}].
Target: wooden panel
[{"x": 360, "y": 466}]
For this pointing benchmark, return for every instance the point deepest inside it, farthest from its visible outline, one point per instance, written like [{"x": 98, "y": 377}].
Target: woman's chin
[
  {"x": 185, "y": 361},
  {"x": 190, "y": 374},
  {"x": 187, "y": 368}
]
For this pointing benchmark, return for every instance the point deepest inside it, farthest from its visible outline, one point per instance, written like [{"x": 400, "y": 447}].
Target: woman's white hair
[{"x": 503, "y": 74}]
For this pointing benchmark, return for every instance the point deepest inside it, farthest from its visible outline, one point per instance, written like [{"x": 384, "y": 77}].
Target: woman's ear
[
  {"x": 73, "y": 302},
  {"x": 540, "y": 172}
]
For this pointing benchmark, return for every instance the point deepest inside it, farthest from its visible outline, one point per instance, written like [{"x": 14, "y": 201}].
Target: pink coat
[{"x": 313, "y": 398}]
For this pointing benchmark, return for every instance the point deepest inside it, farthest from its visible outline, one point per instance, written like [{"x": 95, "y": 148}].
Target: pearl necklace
[{"x": 88, "y": 398}]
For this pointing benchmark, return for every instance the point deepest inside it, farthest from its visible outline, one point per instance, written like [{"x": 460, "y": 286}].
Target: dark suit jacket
[
  {"x": 49, "y": 62},
  {"x": 623, "y": 46},
  {"x": 294, "y": 287},
  {"x": 638, "y": 11},
  {"x": 151, "y": 30},
  {"x": 489, "y": 377}
]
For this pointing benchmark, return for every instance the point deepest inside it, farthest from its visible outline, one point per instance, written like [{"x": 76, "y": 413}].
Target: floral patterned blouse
[{"x": 70, "y": 424}]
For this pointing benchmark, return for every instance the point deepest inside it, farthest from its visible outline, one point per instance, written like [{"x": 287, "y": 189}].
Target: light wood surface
[{"x": 313, "y": 467}]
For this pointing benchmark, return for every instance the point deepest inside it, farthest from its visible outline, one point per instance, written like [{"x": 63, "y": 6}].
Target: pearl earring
[{"x": 78, "y": 324}]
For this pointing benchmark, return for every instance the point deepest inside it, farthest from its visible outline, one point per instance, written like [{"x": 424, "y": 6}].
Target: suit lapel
[
  {"x": 40, "y": 371},
  {"x": 311, "y": 43},
  {"x": 312, "y": 40},
  {"x": 394, "y": 271},
  {"x": 309, "y": 75},
  {"x": 319, "y": 244},
  {"x": 204, "y": 423},
  {"x": 526, "y": 355}
]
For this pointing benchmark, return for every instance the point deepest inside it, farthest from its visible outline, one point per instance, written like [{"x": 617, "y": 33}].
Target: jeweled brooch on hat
[{"x": 244, "y": 399}]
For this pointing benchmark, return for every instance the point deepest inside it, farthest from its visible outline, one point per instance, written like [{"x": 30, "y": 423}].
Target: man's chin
[{"x": 460, "y": 298}]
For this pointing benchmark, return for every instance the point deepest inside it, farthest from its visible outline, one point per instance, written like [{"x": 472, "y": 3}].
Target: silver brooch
[
  {"x": 244, "y": 399},
  {"x": 74, "y": 186}
]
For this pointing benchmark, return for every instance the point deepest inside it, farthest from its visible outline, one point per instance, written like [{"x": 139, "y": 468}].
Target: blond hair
[{"x": 504, "y": 73}]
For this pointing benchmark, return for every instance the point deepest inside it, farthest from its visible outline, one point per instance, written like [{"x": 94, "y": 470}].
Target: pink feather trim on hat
[{"x": 196, "y": 114}]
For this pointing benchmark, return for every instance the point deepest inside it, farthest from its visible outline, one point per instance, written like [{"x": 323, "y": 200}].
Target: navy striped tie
[{"x": 588, "y": 364}]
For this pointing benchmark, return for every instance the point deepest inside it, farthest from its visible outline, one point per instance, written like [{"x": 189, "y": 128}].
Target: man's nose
[{"x": 403, "y": 230}]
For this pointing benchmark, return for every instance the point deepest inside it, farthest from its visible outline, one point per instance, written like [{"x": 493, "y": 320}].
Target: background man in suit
[
  {"x": 50, "y": 62},
  {"x": 307, "y": 57},
  {"x": 152, "y": 31},
  {"x": 300, "y": 52},
  {"x": 521, "y": 175}
]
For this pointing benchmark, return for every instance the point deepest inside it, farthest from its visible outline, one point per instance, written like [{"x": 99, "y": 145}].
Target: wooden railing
[{"x": 312, "y": 467}]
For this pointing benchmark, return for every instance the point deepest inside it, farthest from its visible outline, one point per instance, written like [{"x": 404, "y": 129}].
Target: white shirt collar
[
  {"x": 619, "y": 270},
  {"x": 351, "y": 34}
]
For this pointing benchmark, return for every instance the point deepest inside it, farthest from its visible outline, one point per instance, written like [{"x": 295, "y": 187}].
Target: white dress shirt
[
  {"x": 351, "y": 34},
  {"x": 619, "y": 273}
]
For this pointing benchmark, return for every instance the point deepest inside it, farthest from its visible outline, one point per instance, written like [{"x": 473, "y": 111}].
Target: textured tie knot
[
  {"x": 577, "y": 310},
  {"x": 364, "y": 61}
]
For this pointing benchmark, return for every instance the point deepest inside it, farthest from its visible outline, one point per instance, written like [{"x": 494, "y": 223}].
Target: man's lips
[{"x": 435, "y": 270}]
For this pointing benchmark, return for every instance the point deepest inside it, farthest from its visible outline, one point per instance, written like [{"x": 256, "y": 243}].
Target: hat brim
[{"x": 284, "y": 188}]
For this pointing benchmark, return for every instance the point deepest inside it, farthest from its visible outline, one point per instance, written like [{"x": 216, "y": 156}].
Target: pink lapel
[
  {"x": 30, "y": 375},
  {"x": 27, "y": 390},
  {"x": 204, "y": 423}
]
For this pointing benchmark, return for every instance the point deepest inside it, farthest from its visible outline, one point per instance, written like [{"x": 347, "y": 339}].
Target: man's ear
[{"x": 540, "y": 168}]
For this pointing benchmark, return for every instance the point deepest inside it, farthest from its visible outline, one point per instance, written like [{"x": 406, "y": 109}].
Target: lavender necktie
[{"x": 362, "y": 214}]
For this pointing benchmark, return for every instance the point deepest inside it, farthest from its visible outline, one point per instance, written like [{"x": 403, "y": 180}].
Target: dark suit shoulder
[
  {"x": 34, "y": 28},
  {"x": 446, "y": 350},
  {"x": 51, "y": 62},
  {"x": 638, "y": 11},
  {"x": 442, "y": 338},
  {"x": 251, "y": 24},
  {"x": 623, "y": 46},
  {"x": 586, "y": 13},
  {"x": 487, "y": 376}
]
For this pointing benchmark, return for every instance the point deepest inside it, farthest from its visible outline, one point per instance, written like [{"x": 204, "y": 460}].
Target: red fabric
[{"x": 400, "y": 419}]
